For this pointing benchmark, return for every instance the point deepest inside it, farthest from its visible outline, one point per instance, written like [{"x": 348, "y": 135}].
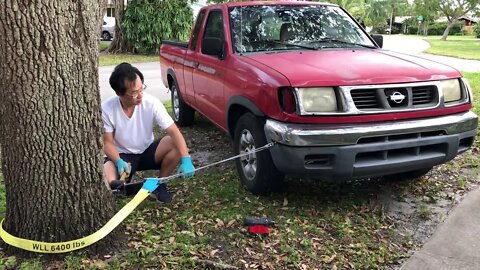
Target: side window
[
  {"x": 214, "y": 26},
  {"x": 196, "y": 30}
]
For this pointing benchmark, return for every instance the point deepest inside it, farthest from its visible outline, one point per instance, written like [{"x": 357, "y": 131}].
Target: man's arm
[
  {"x": 109, "y": 147},
  {"x": 178, "y": 139}
]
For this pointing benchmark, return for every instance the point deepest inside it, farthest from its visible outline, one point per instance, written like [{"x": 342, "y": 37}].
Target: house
[
  {"x": 399, "y": 23},
  {"x": 468, "y": 21}
]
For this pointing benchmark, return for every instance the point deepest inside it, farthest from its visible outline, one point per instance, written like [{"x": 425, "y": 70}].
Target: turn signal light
[{"x": 287, "y": 100}]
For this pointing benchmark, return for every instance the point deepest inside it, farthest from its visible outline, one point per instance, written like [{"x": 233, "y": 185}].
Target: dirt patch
[{"x": 415, "y": 207}]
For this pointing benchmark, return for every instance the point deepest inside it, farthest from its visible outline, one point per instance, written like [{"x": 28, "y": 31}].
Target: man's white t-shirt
[{"x": 133, "y": 135}]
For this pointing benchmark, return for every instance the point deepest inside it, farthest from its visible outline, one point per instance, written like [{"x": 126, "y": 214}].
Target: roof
[
  {"x": 269, "y": 3},
  {"x": 468, "y": 18},
  {"x": 401, "y": 19}
]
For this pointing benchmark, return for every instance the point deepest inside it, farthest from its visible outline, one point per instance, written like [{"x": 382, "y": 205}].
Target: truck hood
[{"x": 353, "y": 67}]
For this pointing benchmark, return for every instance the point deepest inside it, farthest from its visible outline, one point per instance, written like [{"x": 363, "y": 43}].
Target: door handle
[{"x": 196, "y": 64}]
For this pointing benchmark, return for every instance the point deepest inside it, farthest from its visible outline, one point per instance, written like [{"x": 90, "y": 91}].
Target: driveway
[
  {"x": 415, "y": 46},
  {"x": 152, "y": 76}
]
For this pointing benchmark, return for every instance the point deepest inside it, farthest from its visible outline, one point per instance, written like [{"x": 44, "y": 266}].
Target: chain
[{"x": 266, "y": 146}]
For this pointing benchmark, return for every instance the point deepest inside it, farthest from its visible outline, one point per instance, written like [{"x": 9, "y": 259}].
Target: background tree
[
  {"x": 147, "y": 23},
  {"x": 454, "y": 9},
  {"x": 119, "y": 43},
  {"x": 356, "y": 8},
  {"x": 50, "y": 125},
  {"x": 429, "y": 10},
  {"x": 396, "y": 8}
]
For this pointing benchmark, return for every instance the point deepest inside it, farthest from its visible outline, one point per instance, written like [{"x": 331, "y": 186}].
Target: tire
[
  {"x": 409, "y": 175},
  {"x": 257, "y": 171},
  {"x": 183, "y": 114},
  {"x": 106, "y": 36}
]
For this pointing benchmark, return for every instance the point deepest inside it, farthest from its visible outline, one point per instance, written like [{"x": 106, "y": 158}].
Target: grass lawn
[
  {"x": 319, "y": 225},
  {"x": 115, "y": 59},
  {"x": 106, "y": 59},
  {"x": 448, "y": 38},
  {"x": 456, "y": 48},
  {"x": 474, "y": 81}
]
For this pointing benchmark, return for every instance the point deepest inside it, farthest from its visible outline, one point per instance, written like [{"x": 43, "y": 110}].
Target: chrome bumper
[{"x": 349, "y": 134}]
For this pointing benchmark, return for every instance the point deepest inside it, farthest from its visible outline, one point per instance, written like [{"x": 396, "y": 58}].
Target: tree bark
[
  {"x": 119, "y": 43},
  {"x": 447, "y": 30},
  {"x": 50, "y": 124}
]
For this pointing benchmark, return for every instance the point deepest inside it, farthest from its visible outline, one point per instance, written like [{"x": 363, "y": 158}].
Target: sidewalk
[{"x": 456, "y": 242}]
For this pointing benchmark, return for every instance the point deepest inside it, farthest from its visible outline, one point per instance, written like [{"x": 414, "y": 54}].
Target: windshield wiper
[
  {"x": 344, "y": 42},
  {"x": 292, "y": 44}
]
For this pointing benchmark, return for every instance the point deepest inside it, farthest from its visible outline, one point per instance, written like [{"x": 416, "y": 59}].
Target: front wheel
[
  {"x": 257, "y": 171},
  {"x": 183, "y": 114}
]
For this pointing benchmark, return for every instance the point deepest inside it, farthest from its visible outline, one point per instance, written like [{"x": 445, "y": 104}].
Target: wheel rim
[
  {"x": 176, "y": 101},
  {"x": 106, "y": 36},
  {"x": 248, "y": 162}
]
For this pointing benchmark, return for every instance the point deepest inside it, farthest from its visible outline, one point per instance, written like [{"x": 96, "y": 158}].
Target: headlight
[
  {"x": 317, "y": 99},
  {"x": 468, "y": 87},
  {"x": 451, "y": 90}
]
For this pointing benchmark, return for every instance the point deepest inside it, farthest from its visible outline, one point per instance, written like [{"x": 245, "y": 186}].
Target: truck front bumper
[{"x": 348, "y": 151}]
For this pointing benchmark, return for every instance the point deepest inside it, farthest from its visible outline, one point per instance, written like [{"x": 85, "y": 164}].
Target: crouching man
[{"x": 128, "y": 121}]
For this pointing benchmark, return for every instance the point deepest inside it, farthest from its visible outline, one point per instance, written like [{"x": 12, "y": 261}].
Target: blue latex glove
[
  {"x": 186, "y": 167},
  {"x": 121, "y": 166}
]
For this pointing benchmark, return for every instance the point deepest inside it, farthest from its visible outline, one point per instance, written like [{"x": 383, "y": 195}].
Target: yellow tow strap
[{"x": 61, "y": 247}]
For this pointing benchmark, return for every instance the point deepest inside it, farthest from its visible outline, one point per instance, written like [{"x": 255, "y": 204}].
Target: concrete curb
[{"x": 456, "y": 242}]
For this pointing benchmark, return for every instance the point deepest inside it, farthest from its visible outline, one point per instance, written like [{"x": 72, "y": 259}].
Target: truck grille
[
  {"x": 424, "y": 95},
  {"x": 395, "y": 98}
]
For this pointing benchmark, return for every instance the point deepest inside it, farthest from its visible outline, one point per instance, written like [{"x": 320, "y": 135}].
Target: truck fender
[
  {"x": 171, "y": 73},
  {"x": 238, "y": 105}
]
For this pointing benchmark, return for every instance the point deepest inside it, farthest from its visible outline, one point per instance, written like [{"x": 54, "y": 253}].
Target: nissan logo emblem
[{"x": 397, "y": 97}]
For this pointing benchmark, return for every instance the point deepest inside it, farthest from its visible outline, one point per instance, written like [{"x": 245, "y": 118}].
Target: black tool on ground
[
  {"x": 124, "y": 188},
  {"x": 258, "y": 225}
]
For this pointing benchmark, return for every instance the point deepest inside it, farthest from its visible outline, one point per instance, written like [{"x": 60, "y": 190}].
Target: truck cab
[{"x": 307, "y": 77}]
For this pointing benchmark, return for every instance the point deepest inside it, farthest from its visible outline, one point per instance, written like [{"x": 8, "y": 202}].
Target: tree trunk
[
  {"x": 50, "y": 124},
  {"x": 119, "y": 43},
  {"x": 447, "y": 30}
]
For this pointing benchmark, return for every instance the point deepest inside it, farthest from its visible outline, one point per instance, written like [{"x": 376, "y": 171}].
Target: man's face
[{"x": 134, "y": 93}]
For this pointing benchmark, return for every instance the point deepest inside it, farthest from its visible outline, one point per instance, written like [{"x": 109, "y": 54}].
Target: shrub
[
  {"x": 439, "y": 28},
  {"x": 476, "y": 30},
  {"x": 147, "y": 23}
]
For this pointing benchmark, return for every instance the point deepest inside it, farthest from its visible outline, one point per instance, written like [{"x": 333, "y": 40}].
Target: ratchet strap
[
  {"x": 60, "y": 247},
  {"x": 148, "y": 186}
]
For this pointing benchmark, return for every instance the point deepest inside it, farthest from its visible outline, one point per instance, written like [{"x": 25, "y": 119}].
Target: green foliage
[
  {"x": 476, "y": 30},
  {"x": 439, "y": 28},
  {"x": 147, "y": 23}
]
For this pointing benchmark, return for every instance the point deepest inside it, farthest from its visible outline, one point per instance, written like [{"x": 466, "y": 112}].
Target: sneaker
[{"x": 162, "y": 194}]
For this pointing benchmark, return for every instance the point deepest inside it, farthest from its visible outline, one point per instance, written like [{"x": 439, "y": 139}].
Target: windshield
[{"x": 287, "y": 27}]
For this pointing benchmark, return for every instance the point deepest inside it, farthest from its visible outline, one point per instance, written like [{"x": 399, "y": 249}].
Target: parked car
[
  {"x": 108, "y": 31},
  {"x": 305, "y": 76}
]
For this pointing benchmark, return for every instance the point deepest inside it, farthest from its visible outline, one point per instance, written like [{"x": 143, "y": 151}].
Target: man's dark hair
[{"x": 122, "y": 72}]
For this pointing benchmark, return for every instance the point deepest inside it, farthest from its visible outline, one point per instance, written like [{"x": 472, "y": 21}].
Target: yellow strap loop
[{"x": 61, "y": 247}]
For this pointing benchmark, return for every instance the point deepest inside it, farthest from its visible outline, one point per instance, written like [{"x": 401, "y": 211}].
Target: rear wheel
[
  {"x": 182, "y": 113},
  {"x": 257, "y": 171},
  {"x": 106, "y": 36}
]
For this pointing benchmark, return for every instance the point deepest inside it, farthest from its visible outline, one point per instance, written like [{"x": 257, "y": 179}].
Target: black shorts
[{"x": 141, "y": 162}]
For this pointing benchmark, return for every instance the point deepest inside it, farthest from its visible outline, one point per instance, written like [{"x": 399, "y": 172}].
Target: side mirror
[
  {"x": 378, "y": 39},
  {"x": 213, "y": 46}
]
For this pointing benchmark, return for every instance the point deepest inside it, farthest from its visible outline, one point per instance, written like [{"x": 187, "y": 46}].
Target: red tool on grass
[{"x": 258, "y": 225}]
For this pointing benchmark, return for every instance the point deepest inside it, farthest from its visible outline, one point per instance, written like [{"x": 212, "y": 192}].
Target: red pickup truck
[{"x": 308, "y": 77}]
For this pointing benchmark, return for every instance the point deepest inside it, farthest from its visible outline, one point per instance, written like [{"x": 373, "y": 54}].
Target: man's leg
[
  {"x": 110, "y": 171},
  {"x": 168, "y": 155},
  {"x": 161, "y": 155}
]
